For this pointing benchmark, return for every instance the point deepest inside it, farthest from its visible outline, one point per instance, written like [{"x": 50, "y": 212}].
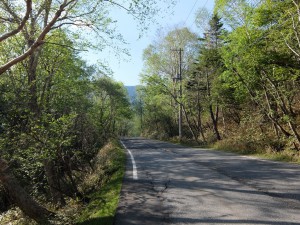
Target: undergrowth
[
  {"x": 261, "y": 149},
  {"x": 101, "y": 186},
  {"x": 104, "y": 201},
  {"x": 276, "y": 150}
]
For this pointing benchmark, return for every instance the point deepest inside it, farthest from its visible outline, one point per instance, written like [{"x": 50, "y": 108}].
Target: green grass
[
  {"x": 102, "y": 207},
  {"x": 285, "y": 156}
]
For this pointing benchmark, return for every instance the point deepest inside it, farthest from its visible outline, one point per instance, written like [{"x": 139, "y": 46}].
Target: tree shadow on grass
[{"x": 98, "y": 221}]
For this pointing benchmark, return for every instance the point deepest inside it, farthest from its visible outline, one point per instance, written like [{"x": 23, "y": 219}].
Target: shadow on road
[{"x": 170, "y": 174}]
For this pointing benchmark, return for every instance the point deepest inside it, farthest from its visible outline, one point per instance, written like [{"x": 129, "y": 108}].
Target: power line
[
  {"x": 191, "y": 11},
  {"x": 205, "y": 3}
]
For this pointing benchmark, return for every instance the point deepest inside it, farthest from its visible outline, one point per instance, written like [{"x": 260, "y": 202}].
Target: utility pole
[
  {"x": 141, "y": 112},
  {"x": 180, "y": 95},
  {"x": 179, "y": 78}
]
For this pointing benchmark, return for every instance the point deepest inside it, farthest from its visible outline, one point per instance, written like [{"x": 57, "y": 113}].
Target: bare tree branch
[
  {"x": 66, "y": 46},
  {"x": 297, "y": 6},
  {"x": 22, "y": 23},
  {"x": 10, "y": 20},
  {"x": 39, "y": 41},
  {"x": 119, "y": 5},
  {"x": 290, "y": 47}
]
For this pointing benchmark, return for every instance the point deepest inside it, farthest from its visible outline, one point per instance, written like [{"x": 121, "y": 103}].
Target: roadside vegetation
[
  {"x": 103, "y": 186},
  {"x": 57, "y": 110},
  {"x": 100, "y": 186},
  {"x": 236, "y": 80}
]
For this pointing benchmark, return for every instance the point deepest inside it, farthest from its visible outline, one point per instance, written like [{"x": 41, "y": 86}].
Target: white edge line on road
[{"x": 134, "y": 170}]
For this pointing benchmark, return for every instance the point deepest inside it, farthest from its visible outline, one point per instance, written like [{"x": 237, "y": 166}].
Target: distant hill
[{"x": 131, "y": 92}]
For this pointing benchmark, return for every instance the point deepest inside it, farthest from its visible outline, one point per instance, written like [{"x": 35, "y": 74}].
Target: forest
[
  {"x": 233, "y": 85},
  {"x": 56, "y": 110}
]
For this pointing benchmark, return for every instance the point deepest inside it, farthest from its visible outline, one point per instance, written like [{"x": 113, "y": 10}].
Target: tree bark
[
  {"x": 195, "y": 136},
  {"x": 21, "y": 22},
  {"x": 224, "y": 122},
  {"x": 199, "y": 119},
  {"x": 271, "y": 111},
  {"x": 295, "y": 132},
  {"x": 53, "y": 182},
  {"x": 285, "y": 108},
  {"x": 20, "y": 197},
  {"x": 214, "y": 119},
  {"x": 32, "y": 82},
  {"x": 265, "y": 111},
  {"x": 39, "y": 40}
]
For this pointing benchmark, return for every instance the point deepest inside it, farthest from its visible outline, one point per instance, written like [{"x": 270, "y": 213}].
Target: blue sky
[{"x": 127, "y": 68}]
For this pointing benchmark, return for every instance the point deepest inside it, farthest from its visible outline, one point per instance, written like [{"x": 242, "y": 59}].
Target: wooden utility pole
[
  {"x": 180, "y": 95},
  {"x": 179, "y": 78}
]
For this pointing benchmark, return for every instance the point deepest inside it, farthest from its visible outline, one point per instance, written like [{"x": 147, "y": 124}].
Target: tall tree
[
  {"x": 43, "y": 17},
  {"x": 260, "y": 59},
  {"x": 162, "y": 67},
  {"x": 30, "y": 26},
  {"x": 207, "y": 70}
]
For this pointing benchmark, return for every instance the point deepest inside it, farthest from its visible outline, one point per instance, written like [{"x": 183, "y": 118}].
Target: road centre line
[{"x": 134, "y": 170}]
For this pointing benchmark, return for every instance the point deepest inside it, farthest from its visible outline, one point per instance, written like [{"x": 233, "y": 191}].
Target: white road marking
[{"x": 134, "y": 170}]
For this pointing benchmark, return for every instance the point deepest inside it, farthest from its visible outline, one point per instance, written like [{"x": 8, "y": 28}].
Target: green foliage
[
  {"x": 241, "y": 81},
  {"x": 159, "y": 93},
  {"x": 55, "y": 110},
  {"x": 74, "y": 115},
  {"x": 157, "y": 120},
  {"x": 101, "y": 186},
  {"x": 261, "y": 64},
  {"x": 111, "y": 107}
]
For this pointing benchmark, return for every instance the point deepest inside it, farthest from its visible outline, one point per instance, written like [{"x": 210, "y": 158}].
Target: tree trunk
[
  {"x": 53, "y": 182},
  {"x": 32, "y": 82},
  {"x": 265, "y": 111},
  {"x": 19, "y": 197},
  {"x": 271, "y": 112},
  {"x": 195, "y": 136},
  {"x": 285, "y": 108},
  {"x": 199, "y": 120},
  {"x": 296, "y": 134},
  {"x": 224, "y": 123},
  {"x": 214, "y": 119}
]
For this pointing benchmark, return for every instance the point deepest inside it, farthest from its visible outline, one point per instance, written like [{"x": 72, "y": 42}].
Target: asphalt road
[{"x": 178, "y": 185}]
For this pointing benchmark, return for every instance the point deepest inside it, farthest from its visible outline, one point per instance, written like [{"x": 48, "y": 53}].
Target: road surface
[{"x": 171, "y": 184}]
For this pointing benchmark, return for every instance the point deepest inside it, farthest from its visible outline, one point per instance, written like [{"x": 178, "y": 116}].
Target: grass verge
[
  {"x": 259, "y": 150},
  {"x": 256, "y": 149},
  {"x": 284, "y": 156},
  {"x": 104, "y": 201}
]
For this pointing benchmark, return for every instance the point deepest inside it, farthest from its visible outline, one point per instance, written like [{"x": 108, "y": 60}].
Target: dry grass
[{"x": 263, "y": 149}]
